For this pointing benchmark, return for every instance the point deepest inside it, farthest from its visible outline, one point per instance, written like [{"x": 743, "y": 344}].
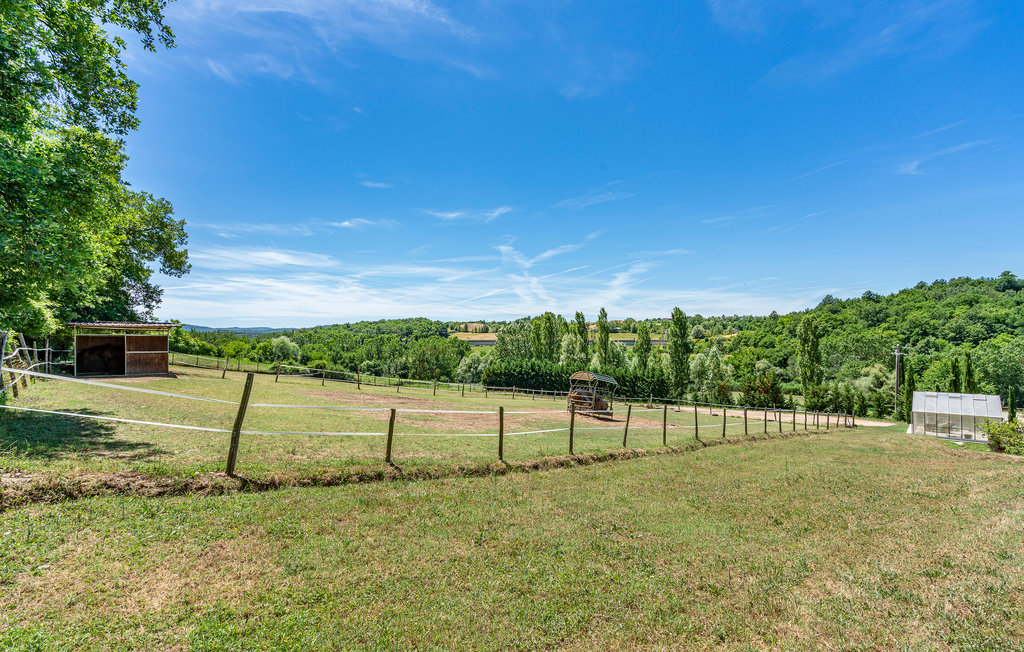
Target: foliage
[
  {"x": 710, "y": 377},
  {"x": 1005, "y": 437},
  {"x": 184, "y": 341},
  {"x": 809, "y": 353},
  {"x": 285, "y": 349},
  {"x": 71, "y": 231},
  {"x": 679, "y": 348},
  {"x": 471, "y": 368},
  {"x": 1012, "y": 414},
  {"x": 642, "y": 347},
  {"x": 603, "y": 345}
]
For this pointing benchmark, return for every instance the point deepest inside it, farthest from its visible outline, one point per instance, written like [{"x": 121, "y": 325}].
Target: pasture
[
  {"x": 433, "y": 434},
  {"x": 866, "y": 538}
]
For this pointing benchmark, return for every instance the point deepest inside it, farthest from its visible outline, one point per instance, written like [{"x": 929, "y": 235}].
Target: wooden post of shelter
[
  {"x": 236, "y": 429},
  {"x": 625, "y": 433},
  {"x": 391, "y": 436}
]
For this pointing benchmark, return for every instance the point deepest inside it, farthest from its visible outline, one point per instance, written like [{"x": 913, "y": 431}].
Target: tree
[
  {"x": 955, "y": 381},
  {"x": 603, "y": 337},
  {"x": 284, "y": 348},
  {"x": 909, "y": 387},
  {"x": 642, "y": 347},
  {"x": 515, "y": 342},
  {"x": 69, "y": 225},
  {"x": 711, "y": 376},
  {"x": 809, "y": 353},
  {"x": 679, "y": 348},
  {"x": 582, "y": 332},
  {"x": 970, "y": 379}
]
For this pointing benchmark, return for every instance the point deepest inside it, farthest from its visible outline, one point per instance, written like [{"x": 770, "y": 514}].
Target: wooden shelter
[
  {"x": 591, "y": 393},
  {"x": 117, "y": 348}
]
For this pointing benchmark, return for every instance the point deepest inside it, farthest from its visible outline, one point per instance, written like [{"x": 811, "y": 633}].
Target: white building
[{"x": 955, "y": 416}]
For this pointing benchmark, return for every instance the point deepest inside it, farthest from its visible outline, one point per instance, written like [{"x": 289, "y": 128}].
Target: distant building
[{"x": 954, "y": 416}]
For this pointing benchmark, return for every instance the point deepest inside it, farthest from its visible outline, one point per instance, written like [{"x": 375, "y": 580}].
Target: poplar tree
[
  {"x": 679, "y": 348},
  {"x": 603, "y": 337},
  {"x": 582, "y": 332},
  {"x": 809, "y": 353},
  {"x": 642, "y": 347}
]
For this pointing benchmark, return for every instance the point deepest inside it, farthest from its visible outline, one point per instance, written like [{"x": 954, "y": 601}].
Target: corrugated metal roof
[
  {"x": 978, "y": 405},
  {"x": 591, "y": 376},
  {"x": 122, "y": 325}
]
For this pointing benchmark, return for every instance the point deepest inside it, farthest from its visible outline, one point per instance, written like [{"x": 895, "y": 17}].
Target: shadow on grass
[{"x": 55, "y": 436}]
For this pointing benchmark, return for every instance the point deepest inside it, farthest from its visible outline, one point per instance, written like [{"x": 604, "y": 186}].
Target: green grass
[
  {"x": 65, "y": 445},
  {"x": 857, "y": 539}
]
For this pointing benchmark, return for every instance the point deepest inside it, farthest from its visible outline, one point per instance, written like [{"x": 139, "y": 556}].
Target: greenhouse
[{"x": 955, "y": 416}]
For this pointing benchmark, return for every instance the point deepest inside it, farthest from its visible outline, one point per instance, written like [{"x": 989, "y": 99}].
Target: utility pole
[{"x": 897, "y": 353}]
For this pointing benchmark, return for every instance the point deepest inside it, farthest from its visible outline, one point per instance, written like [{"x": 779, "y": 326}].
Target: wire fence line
[{"x": 20, "y": 373}]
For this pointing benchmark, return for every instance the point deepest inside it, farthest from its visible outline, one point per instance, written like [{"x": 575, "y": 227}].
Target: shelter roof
[
  {"x": 978, "y": 405},
  {"x": 591, "y": 376},
  {"x": 120, "y": 326}
]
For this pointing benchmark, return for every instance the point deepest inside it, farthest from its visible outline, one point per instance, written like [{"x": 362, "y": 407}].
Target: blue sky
[{"x": 352, "y": 160}]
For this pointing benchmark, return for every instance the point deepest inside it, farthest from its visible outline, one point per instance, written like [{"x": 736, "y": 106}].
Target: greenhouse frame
[{"x": 954, "y": 416}]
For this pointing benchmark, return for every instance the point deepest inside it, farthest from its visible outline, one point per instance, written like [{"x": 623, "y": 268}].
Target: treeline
[{"x": 838, "y": 356}]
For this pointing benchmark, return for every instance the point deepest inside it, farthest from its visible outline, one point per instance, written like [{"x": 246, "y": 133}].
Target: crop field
[
  {"x": 432, "y": 433},
  {"x": 866, "y": 538}
]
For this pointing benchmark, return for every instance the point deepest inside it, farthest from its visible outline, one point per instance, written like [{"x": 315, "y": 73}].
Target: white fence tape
[{"x": 126, "y": 388}]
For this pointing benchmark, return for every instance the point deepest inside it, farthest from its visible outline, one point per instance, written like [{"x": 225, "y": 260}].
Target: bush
[{"x": 1005, "y": 437}]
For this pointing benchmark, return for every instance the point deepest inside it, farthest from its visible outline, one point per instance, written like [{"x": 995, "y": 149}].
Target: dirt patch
[{"x": 21, "y": 488}]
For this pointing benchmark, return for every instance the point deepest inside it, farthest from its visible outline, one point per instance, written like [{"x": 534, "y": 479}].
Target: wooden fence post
[
  {"x": 766, "y": 421},
  {"x": 501, "y": 433},
  {"x": 236, "y": 430},
  {"x": 664, "y": 425},
  {"x": 323, "y": 377},
  {"x": 625, "y": 433},
  {"x": 513, "y": 392},
  {"x": 463, "y": 390},
  {"x": 359, "y": 378},
  {"x": 794, "y": 419},
  {"x": 435, "y": 387},
  {"x": 778, "y": 417},
  {"x": 224, "y": 373},
  {"x": 745, "y": 433},
  {"x": 391, "y": 436},
  {"x": 853, "y": 419},
  {"x": 47, "y": 357},
  {"x": 572, "y": 425},
  {"x": 278, "y": 376},
  {"x": 805, "y": 420},
  {"x": 3, "y": 352},
  {"x": 828, "y": 422},
  {"x": 724, "y": 413},
  {"x": 696, "y": 426},
  {"x": 28, "y": 361}
]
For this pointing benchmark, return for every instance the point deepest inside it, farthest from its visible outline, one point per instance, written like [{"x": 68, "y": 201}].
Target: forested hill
[
  {"x": 948, "y": 331},
  {"x": 934, "y": 323}
]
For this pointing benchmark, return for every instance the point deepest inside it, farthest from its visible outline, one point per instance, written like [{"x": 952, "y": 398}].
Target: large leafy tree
[
  {"x": 680, "y": 345},
  {"x": 603, "y": 336},
  {"x": 71, "y": 230}
]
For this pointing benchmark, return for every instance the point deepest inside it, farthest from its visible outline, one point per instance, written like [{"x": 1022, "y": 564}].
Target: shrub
[{"x": 1005, "y": 437}]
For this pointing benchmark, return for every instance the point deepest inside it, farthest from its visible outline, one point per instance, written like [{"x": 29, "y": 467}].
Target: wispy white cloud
[
  {"x": 361, "y": 223},
  {"x": 488, "y": 215},
  {"x": 755, "y": 213},
  {"x": 243, "y": 258},
  {"x": 513, "y": 255},
  {"x": 938, "y": 130},
  {"x": 820, "y": 169},
  {"x": 913, "y": 167},
  {"x": 592, "y": 198},
  {"x": 376, "y": 184}
]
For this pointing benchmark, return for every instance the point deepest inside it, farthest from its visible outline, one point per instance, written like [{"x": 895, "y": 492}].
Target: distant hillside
[{"x": 239, "y": 330}]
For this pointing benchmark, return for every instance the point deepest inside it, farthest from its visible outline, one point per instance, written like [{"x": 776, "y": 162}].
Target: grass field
[
  {"x": 33, "y": 442},
  {"x": 856, "y": 539}
]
